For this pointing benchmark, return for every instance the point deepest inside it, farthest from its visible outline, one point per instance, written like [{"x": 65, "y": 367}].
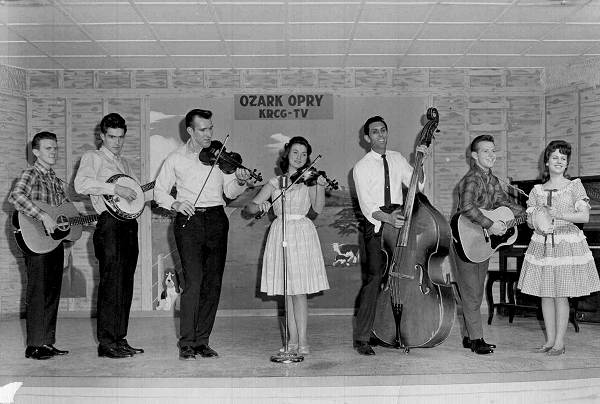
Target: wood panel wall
[{"x": 507, "y": 103}]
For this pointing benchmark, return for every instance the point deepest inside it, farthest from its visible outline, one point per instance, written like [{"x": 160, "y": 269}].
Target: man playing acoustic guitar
[
  {"x": 115, "y": 240},
  {"x": 479, "y": 189},
  {"x": 44, "y": 271}
]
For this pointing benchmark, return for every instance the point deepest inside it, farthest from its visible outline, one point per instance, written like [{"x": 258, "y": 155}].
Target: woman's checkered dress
[{"x": 559, "y": 266}]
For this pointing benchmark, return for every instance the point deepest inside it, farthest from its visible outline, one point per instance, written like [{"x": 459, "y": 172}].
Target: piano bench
[{"x": 508, "y": 279}]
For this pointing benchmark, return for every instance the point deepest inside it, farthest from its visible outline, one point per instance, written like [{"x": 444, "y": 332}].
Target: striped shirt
[
  {"x": 37, "y": 183},
  {"x": 481, "y": 190}
]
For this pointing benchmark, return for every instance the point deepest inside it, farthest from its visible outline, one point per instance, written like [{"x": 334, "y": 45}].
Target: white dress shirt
[
  {"x": 369, "y": 179},
  {"x": 95, "y": 168},
  {"x": 183, "y": 169}
]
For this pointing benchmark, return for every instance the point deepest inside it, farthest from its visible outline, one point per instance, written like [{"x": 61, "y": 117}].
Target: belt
[{"x": 207, "y": 209}]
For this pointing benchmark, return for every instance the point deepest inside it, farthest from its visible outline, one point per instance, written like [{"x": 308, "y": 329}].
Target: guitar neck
[
  {"x": 516, "y": 221},
  {"x": 148, "y": 186},
  {"x": 76, "y": 220}
]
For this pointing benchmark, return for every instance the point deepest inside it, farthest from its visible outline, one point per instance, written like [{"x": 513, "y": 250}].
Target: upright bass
[{"x": 416, "y": 306}]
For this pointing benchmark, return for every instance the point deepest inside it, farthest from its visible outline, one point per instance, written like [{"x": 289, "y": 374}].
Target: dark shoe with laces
[
  {"x": 124, "y": 345},
  {"x": 55, "y": 351},
  {"x": 205, "y": 351},
  {"x": 493, "y": 346},
  {"x": 187, "y": 353},
  {"x": 480, "y": 347},
  {"x": 112, "y": 352},
  {"x": 38, "y": 352},
  {"x": 363, "y": 348}
]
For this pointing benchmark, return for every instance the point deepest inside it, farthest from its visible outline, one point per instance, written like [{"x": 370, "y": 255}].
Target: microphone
[{"x": 283, "y": 182}]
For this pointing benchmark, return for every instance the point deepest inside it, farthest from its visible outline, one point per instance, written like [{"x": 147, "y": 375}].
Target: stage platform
[{"x": 332, "y": 373}]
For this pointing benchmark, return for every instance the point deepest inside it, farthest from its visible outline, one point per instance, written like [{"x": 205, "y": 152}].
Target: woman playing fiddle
[{"x": 305, "y": 267}]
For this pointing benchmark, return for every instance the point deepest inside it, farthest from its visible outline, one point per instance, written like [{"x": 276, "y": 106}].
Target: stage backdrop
[{"x": 259, "y": 125}]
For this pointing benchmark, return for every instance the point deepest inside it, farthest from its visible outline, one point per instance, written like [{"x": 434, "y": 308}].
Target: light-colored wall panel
[{"x": 82, "y": 79}]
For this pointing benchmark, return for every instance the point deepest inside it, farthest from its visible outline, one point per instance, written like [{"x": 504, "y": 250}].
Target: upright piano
[{"x": 586, "y": 308}]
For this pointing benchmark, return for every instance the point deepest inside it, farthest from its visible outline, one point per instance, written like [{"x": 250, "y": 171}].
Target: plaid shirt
[
  {"x": 480, "y": 189},
  {"x": 37, "y": 184}
]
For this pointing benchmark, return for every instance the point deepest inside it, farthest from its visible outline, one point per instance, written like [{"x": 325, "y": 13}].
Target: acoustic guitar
[
  {"x": 121, "y": 208},
  {"x": 31, "y": 235},
  {"x": 474, "y": 244}
]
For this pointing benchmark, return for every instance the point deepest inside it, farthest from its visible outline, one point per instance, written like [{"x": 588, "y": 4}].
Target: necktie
[{"x": 387, "y": 199}]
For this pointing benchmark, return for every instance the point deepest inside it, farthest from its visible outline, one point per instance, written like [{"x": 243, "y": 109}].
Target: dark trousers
[
  {"x": 470, "y": 278},
  {"x": 371, "y": 286},
  {"x": 44, "y": 281},
  {"x": 116, "y": 248},
  {"x": 202, "y": 246}
]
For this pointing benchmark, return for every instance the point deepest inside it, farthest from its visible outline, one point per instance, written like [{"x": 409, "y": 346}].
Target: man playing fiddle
[{"x": 201, "y": 229}]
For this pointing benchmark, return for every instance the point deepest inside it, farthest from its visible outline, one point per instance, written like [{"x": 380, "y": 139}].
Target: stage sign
[{"x": 283, "y": 106}]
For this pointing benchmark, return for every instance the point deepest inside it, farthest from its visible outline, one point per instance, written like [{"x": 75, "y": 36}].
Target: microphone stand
[{"x": 286, "y": 356}]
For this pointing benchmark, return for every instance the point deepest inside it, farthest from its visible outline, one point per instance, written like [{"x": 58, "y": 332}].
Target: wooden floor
[{"x": 332, "y": 373}]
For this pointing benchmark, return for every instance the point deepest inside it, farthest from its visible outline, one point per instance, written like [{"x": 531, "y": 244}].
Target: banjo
[{"x": 121, "y": 208}]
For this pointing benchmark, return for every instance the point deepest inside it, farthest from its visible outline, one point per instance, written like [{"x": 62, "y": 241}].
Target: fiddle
[
  {"x": 310, "y": 176},
  {"x": 228, "y": 162}
]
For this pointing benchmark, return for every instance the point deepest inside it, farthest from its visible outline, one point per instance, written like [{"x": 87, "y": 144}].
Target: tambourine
[{"x": 542, "y": 221}]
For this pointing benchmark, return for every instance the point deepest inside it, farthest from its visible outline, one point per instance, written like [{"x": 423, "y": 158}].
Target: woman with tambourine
[{"x": 558, "y": 263}]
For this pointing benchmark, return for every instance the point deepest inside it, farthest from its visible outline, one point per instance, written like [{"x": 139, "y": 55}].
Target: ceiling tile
[
  {"x": 386, "y": 31},
  {"x": 201, "y": 62},
  {"x": 545, "y": 13},
  {"x": 485, "y": 61},
  {"x": 576, "y": 32},
  {"x": 145, "y": 62},
  {"x": 398, "y": 12},
  {"x": 195, "y": 47},
  {"x": 15, "y": 49},
  {"x": 381, "y": 47},
  {"x": 516, "y": 31},
  {"x": 588, "y": 13},
  {"x": 99, "y": 13},
  {"x": 427, "y": 60},
  {"x": 89, "y": 62},
  {"x": 371, "y": 61},
  {"x": 250, "y": 31},
  {"x": 70, "y": 48},
  {"x": 133, "y": 47},
  {"x": 31, "y": 63},
  {"x": 452, "y": 31},
  {"x": 318, "y": 47},
  {"x": 259, "y": 62},
  {"x": 319, "y": 31},
  {"x": 466, "y": 12},
  {"x": 545, "y": 61},
  {"x": 257, "y": 47},
  {"x": 323, "y": 12},
  {"x": 49, "y": 32},
  {"x": 119, "y": 32},
  {"x": 250, "y": 13},
  {"x": 32, "y": 15},
  {"x": 186, "y": 31},
  {"x": 324, "y": 61},
  {"x": 180, "y": 12},
  {"x": 500, "y": 47},
  {"x": 560, "y": 47},
  {"x": 438, "y": 47}
]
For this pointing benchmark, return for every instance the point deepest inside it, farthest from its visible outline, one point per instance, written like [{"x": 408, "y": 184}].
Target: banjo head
[{"x": 121, "y": 207}]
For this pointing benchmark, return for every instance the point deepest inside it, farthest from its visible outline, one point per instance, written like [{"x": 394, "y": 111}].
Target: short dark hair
[
  {"x": 563, "y": 147},
  {"x": 114, "y": 121},
  {"x": 479, "y": 139},
  {"x": 371, "y": 120},
  {"x": 284, "y": 162},
  {"x": 35, "y": 142},
  {"x": 202, "y": 113}
]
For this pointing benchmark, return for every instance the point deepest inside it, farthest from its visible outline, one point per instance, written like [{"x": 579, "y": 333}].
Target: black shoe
[
  {"x": 38, "y": 352},
  {"x": 113, "y": 353},
  {"x": 205, "y": 351},
  {"x": 55, "y": 351},
  {"x": 477, "y": 346},
  {"x": 493, "y": 346},
  {"x": 363, "y": 348},
  {"x": 466, "y": 342},
  {"x": 187, "y": 353},
  {"x": 124, "y": 345}
]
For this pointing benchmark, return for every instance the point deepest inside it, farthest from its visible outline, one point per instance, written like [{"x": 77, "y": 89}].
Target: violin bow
[{"x": 212, "y": 167}]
